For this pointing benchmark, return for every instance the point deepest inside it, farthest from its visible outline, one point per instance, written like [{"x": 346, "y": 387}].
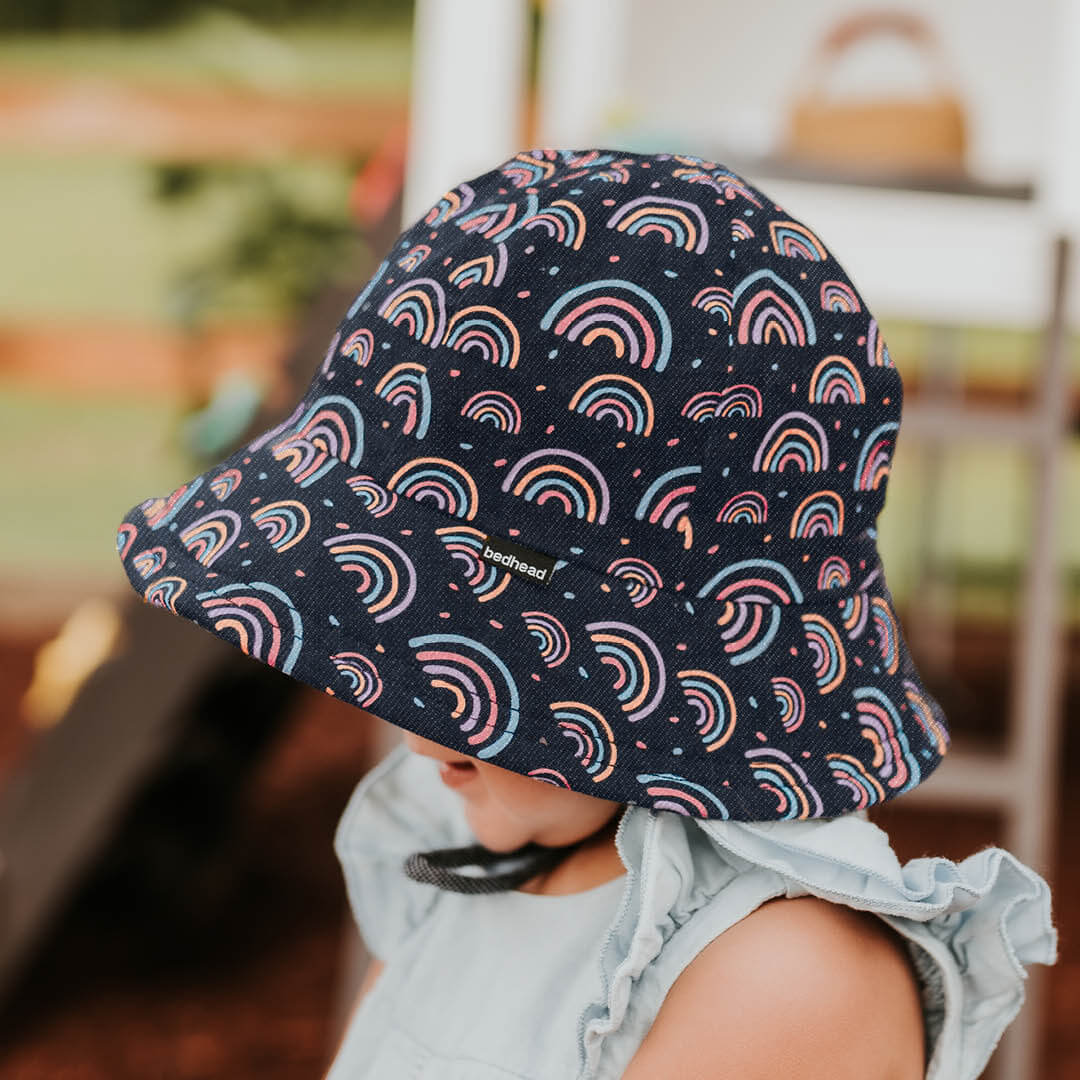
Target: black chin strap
[{"x": 429, "y": 867}]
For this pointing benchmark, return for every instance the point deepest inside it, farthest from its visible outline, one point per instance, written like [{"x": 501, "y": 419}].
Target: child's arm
[{"x": 800, "y": 987}]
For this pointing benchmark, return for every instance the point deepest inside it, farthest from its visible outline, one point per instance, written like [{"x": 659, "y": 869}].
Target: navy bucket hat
[{"x": 584, "y": 486}]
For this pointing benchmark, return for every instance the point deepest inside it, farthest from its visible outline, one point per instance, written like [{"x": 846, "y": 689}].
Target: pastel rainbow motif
[
  {"x": 443, "y": 482},
  {"x": 721, "y": 180},
  {"x": 207, "y": 537},
  {"x": 886, "y": 633},
  {"x": 331, "y": 430},
  {"x": 551, "y": 634},
  {"x": 639, "y": 331},
  {"x": 285, "y": 523},
  {"x": 715, "y": 298},
  {"x": 877, "y": 352},
  {"x": 675, "y": 221},
  {"x": 150, "y": 561},
  {"x": 920, "y": 709},
  {"x": 483, "y": 691},
  {"x": 452, "y": 203},
  {"x": 466, "y": 545},
  {"x": 820, "y": 514},
  {"x": 618, "y": 396},
  {"x": 668, "y": 507},
  {"x": 591, "y": 734},
  {"x": 747, "y": 629},
  {"x": 740, "y": 402},
  {"x": 777, "y": 772},
  {"x": 751, "y": 599},
  {"x": 487, "y": 331},
  {"x": 826, "y": 650},
  {"x": 527, "y": 170},
  {"x": 616, "y": 174},
  {"x": 362, "y": 675},
  {"x": 550, "y": 776},
  {"x": 746, "y": 508},
  {"x": 702, "y": 406},
  {"x": 359, "y": 346},
  {"x": 796, "y": 438},
  {"x": 387, "y": 575},
  {"x": 839, "y": 296},
  {"x": 263, "y": 619},
  {"x": 835, "y": 381},
  {"x": 407, "y": 384},
  {"x": 672, "y": 792},
  {"x": 330, "y": 354},
  {"x": 850, "y": 772},
  {"x": 496, "y": 221},
  {"x": 376, "y": 499},
  {"x": 418, "y": 305},
  {"x": 794, "y": 239},
  {"x": 414, "y": 257},
  {"x": 771, "y": 313},
  {"x": 160, "y": 511},
  {"x": 640, "y": 673},
  {"x": 753, "y": 581},
  {"x": 224, "y": 484},
  {"x": 714, "y": 704},
  {"x": 855, "y": 613},
  {"x": 582, "y": 491},
  {"x": 483, "y": 270},
  {"x": 834, "y": 573},
  {"x": 495, "y": 407},
  {"x": 789, "y": 696},
  {"x": 125, "y": 537},
  {"x": 641, "y": 578},
  {"x": 164, "y": 592},
  {"x": 562, "y": 220},
  {"x": 740, "y": 230},
  {"x": 873, "y": 468},
  {"x": 893, "y": 760}
]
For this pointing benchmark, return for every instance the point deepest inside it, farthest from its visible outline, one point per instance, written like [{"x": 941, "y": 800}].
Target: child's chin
[{"x": 494, "y": 835}]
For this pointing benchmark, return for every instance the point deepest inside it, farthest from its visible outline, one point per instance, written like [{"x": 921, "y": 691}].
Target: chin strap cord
[{"x": 430, "y": 867}]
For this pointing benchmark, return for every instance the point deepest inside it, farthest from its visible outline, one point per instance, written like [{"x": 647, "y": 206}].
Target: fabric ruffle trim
[{"x": 972, "y": 926}]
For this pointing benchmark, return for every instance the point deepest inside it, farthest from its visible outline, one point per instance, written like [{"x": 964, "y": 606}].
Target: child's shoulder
[{"x": 798, "y": 974}]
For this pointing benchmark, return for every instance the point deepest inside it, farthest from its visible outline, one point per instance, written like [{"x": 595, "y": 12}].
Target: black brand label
[{"x": 523, "y": 561}]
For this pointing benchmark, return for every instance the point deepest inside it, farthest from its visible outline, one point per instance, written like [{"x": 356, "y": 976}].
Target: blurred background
[{"x": 192, "y": 194}]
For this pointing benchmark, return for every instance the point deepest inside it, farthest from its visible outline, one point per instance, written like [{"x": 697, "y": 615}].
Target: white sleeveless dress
[{"x": 531, "y": 987}]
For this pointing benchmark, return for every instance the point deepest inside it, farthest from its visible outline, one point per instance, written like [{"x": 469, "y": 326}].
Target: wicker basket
[{"x": 924, "y": 135}]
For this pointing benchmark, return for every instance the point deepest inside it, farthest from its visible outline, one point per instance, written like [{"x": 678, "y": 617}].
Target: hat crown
[
  {"x": 616, "y": 358},
  {"x": 585, "y": 485}
]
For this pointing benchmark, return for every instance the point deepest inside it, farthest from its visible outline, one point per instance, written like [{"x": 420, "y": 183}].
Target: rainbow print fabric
[{"x": 642, "y": 367}]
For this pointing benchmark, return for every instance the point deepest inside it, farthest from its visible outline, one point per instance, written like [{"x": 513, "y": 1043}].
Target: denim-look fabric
[
  {"x": 564, "y": 988},
  {"x": 662, "y": 389}
]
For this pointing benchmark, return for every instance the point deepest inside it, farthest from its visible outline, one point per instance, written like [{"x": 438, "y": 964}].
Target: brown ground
[{"x": 117, "y": 994}]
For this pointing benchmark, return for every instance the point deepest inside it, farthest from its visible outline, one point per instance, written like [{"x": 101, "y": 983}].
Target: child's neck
[{"x": 595, "y": 862}]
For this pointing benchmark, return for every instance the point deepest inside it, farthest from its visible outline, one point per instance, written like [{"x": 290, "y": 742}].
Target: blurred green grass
[
  {"x": 77, "y": 465},
  {"x": 215, "y": 47}
]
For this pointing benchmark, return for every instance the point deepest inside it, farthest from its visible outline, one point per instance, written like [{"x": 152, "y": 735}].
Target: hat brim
[{"x": 315, "y": 568}]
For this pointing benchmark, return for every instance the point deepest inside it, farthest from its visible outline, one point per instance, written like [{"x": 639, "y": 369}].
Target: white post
[
  {"x": 467, "y": 94},
  {"x": 581, "y": 75}
]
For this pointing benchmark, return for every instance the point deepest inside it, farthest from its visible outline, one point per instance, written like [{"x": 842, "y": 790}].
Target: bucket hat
[{"x": 585, "y": 486}]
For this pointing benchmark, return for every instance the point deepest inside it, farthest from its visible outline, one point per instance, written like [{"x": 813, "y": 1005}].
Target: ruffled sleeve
[
  {"x": 399, "y": 806},
  {"x": 971, "y": 927}
]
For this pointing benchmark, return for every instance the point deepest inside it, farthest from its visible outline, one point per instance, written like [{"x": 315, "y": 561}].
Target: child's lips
[{"x": 456, "y": 773}]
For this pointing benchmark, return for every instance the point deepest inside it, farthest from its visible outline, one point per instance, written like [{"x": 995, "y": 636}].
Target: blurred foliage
[
  {"x": 277, "y": 254},
  {"x": 58, "y": 15}
]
